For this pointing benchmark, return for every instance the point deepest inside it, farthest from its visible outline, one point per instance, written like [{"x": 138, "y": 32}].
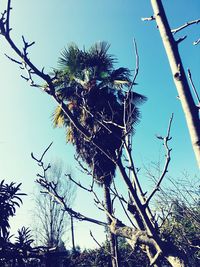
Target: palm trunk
[
  {"x": 112, "y": 238},
  {"x": 171, "y": 47}
]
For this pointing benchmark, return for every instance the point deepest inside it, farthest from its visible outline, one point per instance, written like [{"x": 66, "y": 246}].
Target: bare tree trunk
[
  {"x": 72, "y": 232},
  {"x": 112, "y": 238},
  {"x": 171, "y": 47}
]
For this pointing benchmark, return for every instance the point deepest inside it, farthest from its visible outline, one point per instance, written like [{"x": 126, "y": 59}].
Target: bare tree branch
[
  {"x": 121, "y": 199},
  {"x": 187, "y": 24},
  {"x": 196, "y": 42},
  {"x": 168, "y": 158},
  {"x": 95, "y": 240},
  {"x": 51, "y": 189},
  {"x": 41, "y": 158},
  {"x": 193, "y": 87},
  {"x": 148, "y": 19},
  {"x": 136, "y": 65},
  {"x": 79, "y": 184}
]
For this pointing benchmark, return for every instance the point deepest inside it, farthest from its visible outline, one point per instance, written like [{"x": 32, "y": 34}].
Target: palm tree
[{"x": 95, "y": 92}]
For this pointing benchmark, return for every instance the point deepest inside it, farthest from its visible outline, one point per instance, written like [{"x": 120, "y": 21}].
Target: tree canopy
[{"x": 100, "y": 97}]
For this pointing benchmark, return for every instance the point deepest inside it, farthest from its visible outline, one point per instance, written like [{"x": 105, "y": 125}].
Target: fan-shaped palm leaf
[{"x": 94, "y": 70}]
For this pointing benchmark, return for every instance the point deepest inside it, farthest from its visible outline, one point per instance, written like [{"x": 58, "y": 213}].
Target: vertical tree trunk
[
  {"x": 72, "y": 232},
  {"x": 112, "y": 238},
  {"x": 171, "y": 47}
]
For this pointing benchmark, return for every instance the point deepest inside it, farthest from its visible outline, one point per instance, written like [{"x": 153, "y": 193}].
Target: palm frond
[
  {"x": 72, "y": 59},
  {"x": 58, "y": 117},
  {"x": 137, "y": 99},
  {"x": 99, "y": 58}
]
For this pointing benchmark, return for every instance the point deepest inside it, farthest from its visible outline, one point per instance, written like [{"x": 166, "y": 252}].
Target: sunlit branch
[
  {"x": 148, "y": 19},
  {"x": 168, "y": 158},
  {"x": 136, "y": 65},
  {"x": 187, "y": 24},
  {"x": 196, "y": 42}
]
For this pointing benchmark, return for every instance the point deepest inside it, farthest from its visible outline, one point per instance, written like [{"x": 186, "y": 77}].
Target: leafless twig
[
  {"x": 51, "y": 189},
  {"x": 95, "y": 240},
  {"x": 136, "y": 65},
  {"x": 168, "y": 158},
  {"x": 196, "y": 42},
  {"x": 148, "y": 19},
  {"x": 189, "y": 23},
  {"x": 193, "y": 86},
  {"x": 79, "y": 184},
  {"x": 121, "y": 199},
  {"x": 181, "y": 39},
  {"x": 41, "y": 158}
]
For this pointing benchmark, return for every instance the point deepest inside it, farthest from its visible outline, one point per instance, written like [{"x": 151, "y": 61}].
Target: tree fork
[{"x": 188, "y": 105}]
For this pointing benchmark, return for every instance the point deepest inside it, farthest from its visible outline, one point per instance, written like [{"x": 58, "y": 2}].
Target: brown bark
[{"x": 171, "y": 47}]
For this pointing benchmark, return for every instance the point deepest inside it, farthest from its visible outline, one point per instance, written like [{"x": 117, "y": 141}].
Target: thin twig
[
  {"x": 168, "y": 158},
  {"x": 95, "y": 240},
  {"x": 13, "y": 60},
  {"x": 83, "y": 168},
  {"x": 136, "y": 64},
  {"x": 193, "y": 86},
  {"x": 189, "y": 23},
  {"x": 121, "y": 199},
  {"x": 181, "y": 39},
  {"x": 79, "y": 184},
  {"x": 45, "y": 151},
  {"x": 51, "y": 189},
  {"x": 8, "y": 16},
  {"x": 196, "y": 42},
  {"x": 148, "y": 19}
]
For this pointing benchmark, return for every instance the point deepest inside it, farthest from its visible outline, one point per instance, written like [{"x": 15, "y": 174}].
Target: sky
[{"x": 25, "y": 112}]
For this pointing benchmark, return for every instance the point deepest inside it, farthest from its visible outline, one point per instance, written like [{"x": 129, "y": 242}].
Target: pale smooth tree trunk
[{"x": 190, "y": 110}]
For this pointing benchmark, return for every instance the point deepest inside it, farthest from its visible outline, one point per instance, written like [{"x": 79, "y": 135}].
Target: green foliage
[
  {"x": 100, "y": 257},
  {"x": 23, "y": 241},
  {"x": 10, "y": 198},
  {"x": 182, "y": 228},
  {"x": 95, "y": 92}
]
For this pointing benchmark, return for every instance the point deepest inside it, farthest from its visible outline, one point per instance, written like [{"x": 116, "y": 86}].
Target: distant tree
[{"x": 51, "y": 222}]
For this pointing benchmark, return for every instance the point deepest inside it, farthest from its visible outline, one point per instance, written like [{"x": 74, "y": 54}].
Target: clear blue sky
[{"x": 25, "y": 112}]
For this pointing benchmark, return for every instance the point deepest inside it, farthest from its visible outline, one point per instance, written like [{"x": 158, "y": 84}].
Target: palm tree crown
[{"x": 94, "y": 92}]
